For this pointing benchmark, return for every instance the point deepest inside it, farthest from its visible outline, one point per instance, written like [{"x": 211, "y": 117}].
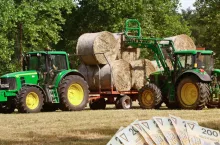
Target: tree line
[{"x": 30, "y": 25}]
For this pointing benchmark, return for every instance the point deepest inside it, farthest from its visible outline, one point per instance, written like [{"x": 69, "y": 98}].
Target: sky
[{"x": 187, "y": 3}]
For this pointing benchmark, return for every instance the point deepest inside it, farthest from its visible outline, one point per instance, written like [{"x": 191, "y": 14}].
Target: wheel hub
[
  {"x": 147, "y": 98},
  {"x": 127, "y": 103},
  {"x": 75, "y": 94},
  {"x": 189, "y": 93},
  {"x": 32, "y": 100}
]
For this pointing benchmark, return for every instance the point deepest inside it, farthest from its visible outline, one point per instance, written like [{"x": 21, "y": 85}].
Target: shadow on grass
[{"x": 33, "y": 138}]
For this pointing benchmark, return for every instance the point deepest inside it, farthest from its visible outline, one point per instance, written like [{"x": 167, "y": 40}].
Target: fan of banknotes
[{"x": 170, "y": 130}]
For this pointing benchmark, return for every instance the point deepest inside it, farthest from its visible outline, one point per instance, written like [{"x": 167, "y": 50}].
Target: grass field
[{"x": 86, "y": 127}]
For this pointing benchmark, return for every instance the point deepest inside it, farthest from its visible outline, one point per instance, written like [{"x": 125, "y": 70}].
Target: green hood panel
[
  {"x": 216, "y": 71},
  {"x": 27, "y": 77},
  {"x": 20, "y": 74}
]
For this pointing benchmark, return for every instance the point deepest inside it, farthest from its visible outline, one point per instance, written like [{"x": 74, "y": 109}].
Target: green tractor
[
  {"x": 45, "y": 84},
  {"x": 192, "y": 83}
]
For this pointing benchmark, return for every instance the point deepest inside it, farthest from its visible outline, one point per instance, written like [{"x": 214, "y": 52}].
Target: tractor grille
[{"x": 10, "y": 81}]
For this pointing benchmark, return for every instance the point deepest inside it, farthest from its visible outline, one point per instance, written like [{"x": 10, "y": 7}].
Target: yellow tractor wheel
[
  {"x": 149, "y": 96},
  {"x": 74, "y": 93},
  {"x": 192, "y": 93},
  {"x": 29, "y": 100}
]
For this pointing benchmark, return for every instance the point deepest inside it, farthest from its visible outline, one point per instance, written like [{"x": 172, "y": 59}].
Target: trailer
[{"x": 99, "y": 98}]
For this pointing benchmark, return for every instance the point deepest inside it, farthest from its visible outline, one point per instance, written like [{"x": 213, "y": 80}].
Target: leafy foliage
[
  {"x": 205, "y": 22},
  {"x": 29, "y": 25},
  {"x": 158, "y": 19}
]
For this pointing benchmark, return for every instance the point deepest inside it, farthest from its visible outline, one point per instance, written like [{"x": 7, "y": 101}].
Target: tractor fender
[
  {"x": 39, "y": 87},
  {"x": 65, "y": 73},
  {"x": 203, "y": 77}
]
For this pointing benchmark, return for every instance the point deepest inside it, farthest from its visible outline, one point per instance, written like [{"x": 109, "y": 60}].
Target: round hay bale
[
  {"x": 119, "y": 72},
  {"x": 130, "y": 54},
  {"x": 169, "y": 64},
  {"x": 119, "y": 39},
  {"x": 92, "y": 43},
  {"x": 154, "y": 63},
  {"x": 181, "y": 42},
  {"x": 140, "y": 70},
  {"x": 88, "y": 72}
]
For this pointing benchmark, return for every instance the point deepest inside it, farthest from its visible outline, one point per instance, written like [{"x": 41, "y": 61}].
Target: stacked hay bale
[
  {"x": 98, "y": 53},
  {"x": 140, "y": 70},
  {"x": 96, "y": 43},
  {"x": 120, "y": 67}
]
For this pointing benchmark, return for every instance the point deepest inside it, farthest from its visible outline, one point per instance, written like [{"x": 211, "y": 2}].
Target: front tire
[
  {"x": 192, "y": 94},
  {"x": 149, "y": 96},
  {"x": 29, "y": 100},
  {"x": 74, "y": 93}
]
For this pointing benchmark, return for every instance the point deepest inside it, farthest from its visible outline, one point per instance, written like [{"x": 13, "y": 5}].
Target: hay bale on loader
[
  {"x": 92, "y": 43},
  {"x": 119, "y": 72},
  {"x": 181, "y": 42},
  {"x": 140, "y": 70}
]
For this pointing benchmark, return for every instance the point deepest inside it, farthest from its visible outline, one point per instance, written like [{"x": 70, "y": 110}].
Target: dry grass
[{"x": 86, "y": 127}]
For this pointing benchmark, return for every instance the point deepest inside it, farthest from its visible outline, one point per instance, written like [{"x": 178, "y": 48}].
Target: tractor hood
[{"x": 20, "y": 74}]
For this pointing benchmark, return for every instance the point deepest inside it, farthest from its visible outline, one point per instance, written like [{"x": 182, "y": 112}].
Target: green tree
[
  {"x": 158, "y": 18},
  {"x": 30, "y": 25},
  {"x": 205, "y": 24}
]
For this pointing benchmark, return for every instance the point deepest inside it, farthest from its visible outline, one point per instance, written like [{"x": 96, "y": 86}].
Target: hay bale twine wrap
[
  {"x": 120, "y": 76},
  {"x": 140, "y": 70},
  {"x": 92, "y": 43}
]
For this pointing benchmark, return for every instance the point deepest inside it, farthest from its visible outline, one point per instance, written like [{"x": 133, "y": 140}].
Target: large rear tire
[
  {"x": 149, "y": 96},
  {"x": 74, "y": 93},
  {"x": 192, "y": 93},
  {"x": 29, "y": 100}
]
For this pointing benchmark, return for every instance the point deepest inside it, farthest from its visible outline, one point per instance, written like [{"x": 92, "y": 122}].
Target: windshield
[
  {"x": 35, "y": 62},
  {"x": 58, "y": 62},
  {"x": 205, "y": 62},
  {"x": 186, "y": 61}
]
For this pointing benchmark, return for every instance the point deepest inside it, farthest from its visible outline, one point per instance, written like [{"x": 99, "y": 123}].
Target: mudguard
[
  {"x": 203, "y": 76},
  {"x": 64, "y": 73}
]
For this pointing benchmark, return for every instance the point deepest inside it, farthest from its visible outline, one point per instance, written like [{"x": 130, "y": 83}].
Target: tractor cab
[
  {"x": 201, "y": 60},
  {"x": 47, "y": 63}
]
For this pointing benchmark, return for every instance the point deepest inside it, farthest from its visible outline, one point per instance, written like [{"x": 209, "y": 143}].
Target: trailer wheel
[
  {"x": 149, "y": 96},
  {"x": 29, "y": 100},
  {"x": 125, "y": 102},
  {"x": 117, "y": 103},
  {"x": 74, "y": 93},
  {"x": 192, "y": 94},
  {"x": 97, "y": 104}
]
